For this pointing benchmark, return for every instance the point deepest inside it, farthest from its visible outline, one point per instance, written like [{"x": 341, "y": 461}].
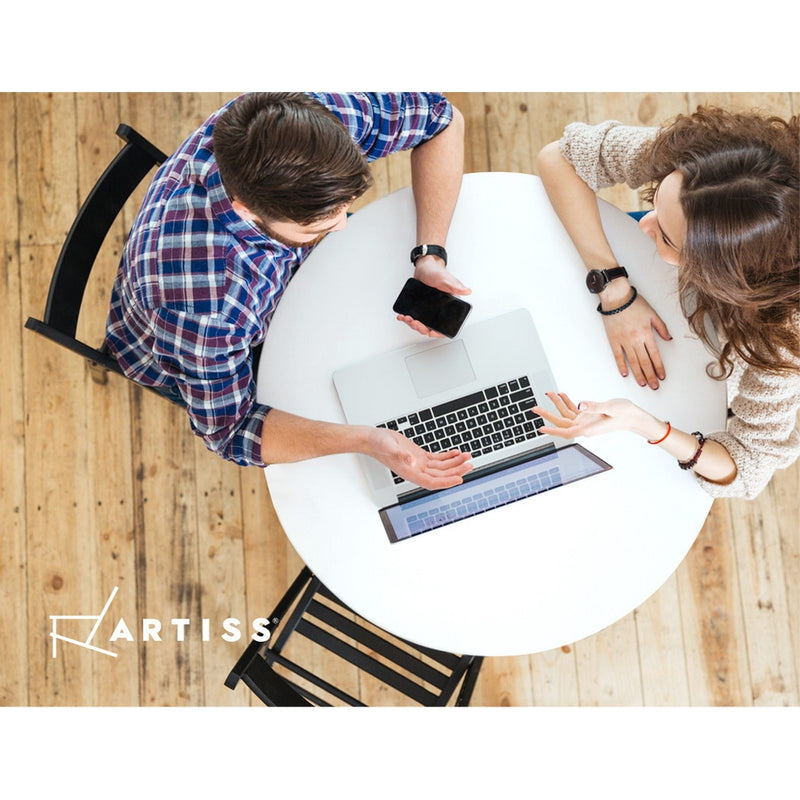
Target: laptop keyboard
[{"x": 479, "y": 423}]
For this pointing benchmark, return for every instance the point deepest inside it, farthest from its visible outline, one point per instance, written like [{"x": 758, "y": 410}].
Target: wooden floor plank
[
  {"x": 168, "y": 576},
  {"x": 58, "y": 509},
  {"x": 270, "y": 562},
  {"x": 711, "y": 615},
  {"x": 222, "y": 574},
  {"x": 756, "y": 531},
  {"x": 661, "y": 652},
  {"x": 609, "y": 672},
  {"x": 504, "y": 682},
  {"x": 508, "y": 140},
  {"x": 13, "y": 512},
  {"x": 555, "y": 677},
  {"x": 14, "y": 683},
  {"x": 785, "y": 489}
]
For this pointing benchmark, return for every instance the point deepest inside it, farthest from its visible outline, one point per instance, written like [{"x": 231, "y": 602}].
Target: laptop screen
[{"x": 496, "y": 486}]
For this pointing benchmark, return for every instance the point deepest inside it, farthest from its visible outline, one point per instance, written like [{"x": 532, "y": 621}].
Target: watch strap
[
  {"x": 428, "y": 250},
  {"x": 614, "y": 272}
]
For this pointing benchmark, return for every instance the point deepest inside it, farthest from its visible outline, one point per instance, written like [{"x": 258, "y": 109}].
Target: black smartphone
[{"x": 441, "y": 312}]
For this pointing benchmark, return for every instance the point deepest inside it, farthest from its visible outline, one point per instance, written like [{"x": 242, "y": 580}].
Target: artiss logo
[{"x": 151, "y": 629}]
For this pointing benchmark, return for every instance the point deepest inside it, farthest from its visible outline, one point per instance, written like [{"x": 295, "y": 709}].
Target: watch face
[{"x": 595, "y": 281}]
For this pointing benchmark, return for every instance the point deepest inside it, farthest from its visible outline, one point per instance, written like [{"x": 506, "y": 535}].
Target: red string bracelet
[{"x": 658, "y": 441}]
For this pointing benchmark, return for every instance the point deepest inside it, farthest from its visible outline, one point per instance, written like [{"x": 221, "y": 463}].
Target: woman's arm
[
  {"x": 714, "y": 462},
  {"x": 630, "y": 333}
]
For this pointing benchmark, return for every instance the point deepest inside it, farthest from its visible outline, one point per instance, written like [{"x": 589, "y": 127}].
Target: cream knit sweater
[{"x": 762, "y": 435}]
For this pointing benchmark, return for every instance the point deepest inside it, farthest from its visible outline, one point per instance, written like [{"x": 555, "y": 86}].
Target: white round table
[{"x": 536, "y": 574}]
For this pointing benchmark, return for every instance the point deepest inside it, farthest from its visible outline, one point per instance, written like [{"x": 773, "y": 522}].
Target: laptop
[{"x": 473, "y": 393}]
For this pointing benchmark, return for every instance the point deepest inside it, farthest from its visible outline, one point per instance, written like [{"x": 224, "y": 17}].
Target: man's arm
[
  {"x": 286, "y": 438},
  {"x": 437, "y": 167}
]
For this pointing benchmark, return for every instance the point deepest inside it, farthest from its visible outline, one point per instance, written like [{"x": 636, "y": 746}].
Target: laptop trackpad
[{"x": 440, "y": 368}]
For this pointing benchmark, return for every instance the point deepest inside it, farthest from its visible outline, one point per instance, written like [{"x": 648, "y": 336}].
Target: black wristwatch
[
  {"x": 598, "y": 279},
  {"x": 428, "y": 250}
]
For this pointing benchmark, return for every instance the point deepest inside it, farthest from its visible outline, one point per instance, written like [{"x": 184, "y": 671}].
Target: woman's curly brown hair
[{"x": 739, "y": 262}]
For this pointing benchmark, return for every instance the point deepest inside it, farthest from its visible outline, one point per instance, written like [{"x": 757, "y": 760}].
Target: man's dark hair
[{"x": 288, "y": 158}]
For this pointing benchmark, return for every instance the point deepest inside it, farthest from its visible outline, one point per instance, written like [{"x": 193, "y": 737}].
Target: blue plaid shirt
[{"x": 198, "y": 285}]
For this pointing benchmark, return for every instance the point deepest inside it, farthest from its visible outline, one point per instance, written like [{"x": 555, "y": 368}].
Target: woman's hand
[
  {"x": 591, "y": 419},
  {"x": 588, "y": 418},
  {"x": 410, "y": 461},
  {"x": 630, "y": 334},
  {"x": 432, "y": 271}
]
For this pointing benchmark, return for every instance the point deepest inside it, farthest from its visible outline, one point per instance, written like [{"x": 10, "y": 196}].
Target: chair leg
[{"x": 470, "y": 679}]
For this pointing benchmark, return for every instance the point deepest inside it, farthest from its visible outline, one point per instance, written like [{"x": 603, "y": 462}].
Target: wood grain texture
[{"x": 103, "y": 485}]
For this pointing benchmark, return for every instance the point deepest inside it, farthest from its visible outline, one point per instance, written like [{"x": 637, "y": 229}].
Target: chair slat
[
  {"x": 380, "y": 645},
  {"x": 302, "y": 672},
  {"x": 448, "y": 660},
  {"x": 367, "y": 663}
]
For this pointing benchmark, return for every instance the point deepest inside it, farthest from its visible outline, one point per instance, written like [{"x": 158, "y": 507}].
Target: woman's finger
[
  {"x": 551, "y": 417},
  {"x": 560, "y": 404},
  {"x": 569, "y": 404}
]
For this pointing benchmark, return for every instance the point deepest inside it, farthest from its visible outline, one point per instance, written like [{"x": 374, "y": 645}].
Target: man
[{"x": 228, "y": 220}]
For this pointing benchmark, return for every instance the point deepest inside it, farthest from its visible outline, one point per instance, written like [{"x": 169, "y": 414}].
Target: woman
[{"x": 725, "y": 189}]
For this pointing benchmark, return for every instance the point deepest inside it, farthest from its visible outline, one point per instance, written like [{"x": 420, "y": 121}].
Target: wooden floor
[{"x": 102, "y": 485}]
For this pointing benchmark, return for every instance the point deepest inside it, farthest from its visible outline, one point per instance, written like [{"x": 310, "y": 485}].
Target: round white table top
[{"x": 535, "y": 574}]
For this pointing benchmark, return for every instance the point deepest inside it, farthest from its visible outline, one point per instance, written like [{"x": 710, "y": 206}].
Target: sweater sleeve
[
  {"x": 762, "y": 435},
  {"x": 609, "y": 153}
]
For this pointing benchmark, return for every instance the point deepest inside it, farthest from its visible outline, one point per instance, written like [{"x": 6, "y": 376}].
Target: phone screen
[{"x": 440, "y": 311}]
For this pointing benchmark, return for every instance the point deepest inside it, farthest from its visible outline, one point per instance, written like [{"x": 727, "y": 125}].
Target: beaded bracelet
[
  {"x": 701, "y": 440},
  {"x": 621, "y": 308}
]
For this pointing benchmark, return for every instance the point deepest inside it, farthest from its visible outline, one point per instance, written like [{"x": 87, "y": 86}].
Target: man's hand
[
  {"x": 409, "y": 461},
  {"x": 431, "y": 270}
]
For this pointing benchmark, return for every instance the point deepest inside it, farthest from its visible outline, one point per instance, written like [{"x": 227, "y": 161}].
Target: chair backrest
[
  {"x": 84, "y": 240},
  {"x": 310, "y": 610}
]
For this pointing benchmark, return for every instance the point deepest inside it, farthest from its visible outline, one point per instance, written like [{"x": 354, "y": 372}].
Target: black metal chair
[
  {"x": 428, "y": 677},
  {"x": 84, "y": 240}
]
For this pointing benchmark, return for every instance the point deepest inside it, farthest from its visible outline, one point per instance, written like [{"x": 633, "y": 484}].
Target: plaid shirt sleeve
[
  {"x": 385, "y": 123},
  {"x": 216, "y": 380}
]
